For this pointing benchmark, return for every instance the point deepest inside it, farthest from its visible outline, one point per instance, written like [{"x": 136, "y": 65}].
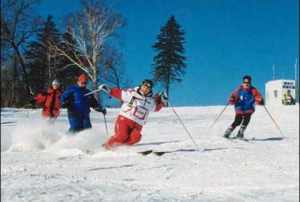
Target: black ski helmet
[
  {"x": 148, "y": 83},
  {"x": 247, "y": 77}
]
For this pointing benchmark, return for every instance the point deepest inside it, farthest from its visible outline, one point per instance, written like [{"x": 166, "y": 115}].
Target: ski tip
[
  {"x": 159, "y": 153},
  {"x": 145, "y": 152}
]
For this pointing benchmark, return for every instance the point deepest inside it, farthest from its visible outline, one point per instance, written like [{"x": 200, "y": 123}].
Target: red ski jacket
[{"x": 50, "y": 101}]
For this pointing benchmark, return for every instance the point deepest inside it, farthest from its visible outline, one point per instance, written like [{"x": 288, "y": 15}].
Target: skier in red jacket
[
  {"x": 136, "y": 106},
  {"x": 50, "y": 101},
  {"x": 244, "y": 99}
]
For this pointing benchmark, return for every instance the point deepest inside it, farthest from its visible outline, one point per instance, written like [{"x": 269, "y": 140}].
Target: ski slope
[{"x": 42, "y": 163}]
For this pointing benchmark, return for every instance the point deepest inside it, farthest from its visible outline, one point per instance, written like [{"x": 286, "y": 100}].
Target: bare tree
[
  {"x": 17, "y": 26},
  {"x": 114, "y": 72},
  {"x": 90, "y": 28}
]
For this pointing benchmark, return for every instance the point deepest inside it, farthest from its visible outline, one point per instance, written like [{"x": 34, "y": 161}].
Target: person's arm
[
  {"x": 67, "y": 98},
  {"x": 233, "y": 97},
  {"x": 40, "y": 98},
  {"x": 124, "y": 95},
  {"x": 161, "y": 100},
  {"x": 94, "y": 104},
  {"x": 257, "y": 96},
  {"x": 92, "y": 101},
  {"x": 116, "y": 93}
]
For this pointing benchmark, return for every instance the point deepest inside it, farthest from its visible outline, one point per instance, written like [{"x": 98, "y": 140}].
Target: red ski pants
[{"x": 127, "y": 132}]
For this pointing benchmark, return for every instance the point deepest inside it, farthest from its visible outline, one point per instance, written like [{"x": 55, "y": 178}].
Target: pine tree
[
  {"x": 169, "y": 63},
  {"x": 42, "y": 60}
]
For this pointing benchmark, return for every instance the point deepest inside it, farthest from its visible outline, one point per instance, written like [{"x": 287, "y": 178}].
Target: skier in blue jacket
[
  {"x": 243, "y": 99},
  {"x": 78, "y": 105}
]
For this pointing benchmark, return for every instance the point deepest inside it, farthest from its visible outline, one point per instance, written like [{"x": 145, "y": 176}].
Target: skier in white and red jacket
[{"x": 137, "y": 103}]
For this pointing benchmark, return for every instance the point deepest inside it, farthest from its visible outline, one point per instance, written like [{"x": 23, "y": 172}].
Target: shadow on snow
[
  {"x": 267, "y": 139},
  {"x": 111, "y": 167},
  {"x": 157, "y": 143}
]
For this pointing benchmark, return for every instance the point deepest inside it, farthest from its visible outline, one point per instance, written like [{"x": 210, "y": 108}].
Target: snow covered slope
[{"x": 42, "y": 163}]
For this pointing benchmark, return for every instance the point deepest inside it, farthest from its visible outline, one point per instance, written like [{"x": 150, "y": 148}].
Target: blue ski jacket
[
  {"x": 244, "y": 99},
  {"x": 73, "y": 98}
]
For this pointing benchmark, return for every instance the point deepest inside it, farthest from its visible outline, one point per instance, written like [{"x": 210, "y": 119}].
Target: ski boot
[
  {"x": 241, "y": 132},
  {"x": 228, "y": 132}
]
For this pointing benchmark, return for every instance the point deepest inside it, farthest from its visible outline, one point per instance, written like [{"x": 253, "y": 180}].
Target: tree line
[{"x": 34, "y": 51}]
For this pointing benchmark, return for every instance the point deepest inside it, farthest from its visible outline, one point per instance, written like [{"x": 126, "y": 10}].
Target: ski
[
  {"x": 150, "y": 151},
  {"x": 241, "y": 139},
  {"x": 159, "y": 153},
  {"x": 146, "y": 152}
]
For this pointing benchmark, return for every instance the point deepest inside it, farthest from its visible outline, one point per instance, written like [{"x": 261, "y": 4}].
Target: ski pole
[
  {"x": 277, "y": 126},
  {"x": 97, "y": 90},
  {"x": 104, "y": 117},
  {"x": 105, "y": 123},
  {"x": 92, "y": 92},
  {"x": 185, "y": 128},
  {"x": 220, "y": 114}
]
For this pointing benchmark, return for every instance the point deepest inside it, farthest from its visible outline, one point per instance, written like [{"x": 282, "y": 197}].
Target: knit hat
[{"x": 83, "y": 78}]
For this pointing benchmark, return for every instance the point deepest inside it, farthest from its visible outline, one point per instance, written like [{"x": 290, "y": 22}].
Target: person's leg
[
  {"x": 246, "y": 120},
  {"x": 75, "y": 123},
  {"x": 86, "y": 122},
  {"x": 122, "y": 131},
  {"x": 237, "y": 121},
  {"x": 135, "y": 136}
]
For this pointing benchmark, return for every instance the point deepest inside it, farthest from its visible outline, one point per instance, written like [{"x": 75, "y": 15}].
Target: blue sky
[{"x": 225, "y": 39}]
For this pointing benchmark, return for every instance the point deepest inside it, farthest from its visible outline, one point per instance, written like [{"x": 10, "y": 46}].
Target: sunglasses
[{"x": 246, "y": 82}]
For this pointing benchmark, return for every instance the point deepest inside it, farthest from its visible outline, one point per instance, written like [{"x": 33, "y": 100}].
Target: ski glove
[
  {"x": 105, "y": 88},
  {"x": 68, "y": 102},
  {"x": 262, "y": 101},
  {"x": 231, "y": 100},
  {"x": 164, "y": 98},
  {"x": 100, "y": 109}
]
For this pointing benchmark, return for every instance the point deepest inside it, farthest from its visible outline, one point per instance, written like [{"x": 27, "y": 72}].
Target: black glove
[
  {"x": 68, "y": 102},
  {"x": 100, "y": 109},
  {"x": 262, "y": 102}
]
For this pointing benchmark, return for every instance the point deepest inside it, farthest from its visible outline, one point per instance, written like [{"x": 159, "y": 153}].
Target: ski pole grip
[{"x": 104, "y": 88}]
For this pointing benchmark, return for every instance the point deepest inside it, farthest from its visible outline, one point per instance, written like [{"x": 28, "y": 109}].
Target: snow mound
[{"x": 37, "y": 135}]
